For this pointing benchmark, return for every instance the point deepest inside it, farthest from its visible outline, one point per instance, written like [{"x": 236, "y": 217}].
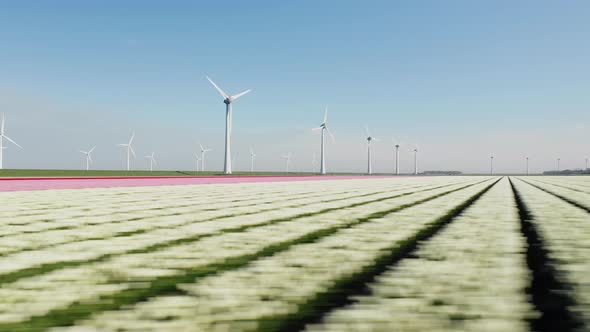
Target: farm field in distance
[{"x": 460, "y": 253}]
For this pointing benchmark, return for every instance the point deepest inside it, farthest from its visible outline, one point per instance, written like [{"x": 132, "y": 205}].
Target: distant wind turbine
[
  {"x": 152, "y": 161},
  {"x": 129, "y": 149},
  {"x": 228, "y": 100},
  {"x": 2, "y": 137},
  {"x": 88, "y": 157},
  {"x": 416, "y": 160},
  {"x": 396, "y": 145},
  {"x": 558, "y": 160},
  {"x": 203, "y": 151},
  {"x": 491, "y": 164},
  {"x": 324, "y": 127},
  {"x": 287, "y": 158},
  {"x": 198, "y": 160},
  {"x": 369, "y": 140},
  {"x": 527, "y": 165},
  {"x": 252, "y": 156}
]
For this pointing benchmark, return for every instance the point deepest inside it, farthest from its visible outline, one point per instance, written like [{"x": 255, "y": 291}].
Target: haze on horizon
[{"x": 462, "y": 79}]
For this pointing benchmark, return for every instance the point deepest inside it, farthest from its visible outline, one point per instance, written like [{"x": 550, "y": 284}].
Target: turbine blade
[
  {"x": 201, "y": 146},
  {"x": 132, "y": 151},
  {"x": 11, "y": 141},
  {"x": 122, "y": 144},
  {"x": 367, "y": 130},
  {"x": 331, "y": 136},
  {"x": 84, "y": 152},
  {"x": 90, "y": 158},
  {"x": 235, "y": 97},
  {"x": 92, "y": 149},
  {"x": 317, "y": 128},
  {"x": 223, "y": 94},
  {"x": 132, "y": 136},
  {"x": 376, "y": 139},
  {"x": 326, "y": 115}
]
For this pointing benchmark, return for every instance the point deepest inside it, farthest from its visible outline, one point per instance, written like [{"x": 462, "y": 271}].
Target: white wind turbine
[
  {"x": 228, "y": 100},
  {"x": 287, "y": 158},
  {"x": 252, "y": 156},
  {"x": 491, "y": 164},
  {"x": 129, "y": 149},
  {"x": 396, "y": 145},
  {"x": 586, "y": 162},
  {"x": 203, "y": 151},
  {"x": 152, "y": 160},
  {"x": 527, "y": 165},
  {"x": 88, "y": 157},
  {"x": 198, "y": 160},
  {"x": 558, "y": 161},
  {"x": 2, "y": 137},
  {"x": 369, "y": 140},
  {"x": 415, "y": 159},
  {"x": 324, "y": 128}
]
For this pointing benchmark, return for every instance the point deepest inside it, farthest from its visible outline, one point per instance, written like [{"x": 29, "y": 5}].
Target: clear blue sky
[{"x": 463, "y": 79}]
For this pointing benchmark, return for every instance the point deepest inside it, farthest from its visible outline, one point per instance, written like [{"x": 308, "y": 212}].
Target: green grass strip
[{"x": 167, "y": 285}]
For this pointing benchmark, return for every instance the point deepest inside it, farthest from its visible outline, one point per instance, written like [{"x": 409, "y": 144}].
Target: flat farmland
[{"x": 350, "y": 254}]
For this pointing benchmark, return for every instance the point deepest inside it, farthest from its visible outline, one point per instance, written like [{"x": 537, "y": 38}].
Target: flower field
[{"x": 359, "y": 254}]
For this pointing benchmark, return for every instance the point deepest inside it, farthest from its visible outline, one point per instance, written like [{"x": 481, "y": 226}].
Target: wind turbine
[
  {"x": 396, "y": 145},
  {"x": 129, "y": 149},
  {"x": 203, "y": 151},
  {"x": 287, "y": 158},
  {"x": 369, "y": 140},
  {"x": 152, "y": 161},
  {"x": 558, "y": 160},
  {"x": 324, "y": 127},
  {"x": 527, "y": 165},
  {"x": 2, "y": 137},
  {"x": 88, "y": 157},
  {"x": 415, "y": 160},
  {"x": 492, "y": 164},
  {"x": 198, "y": 160},
  {"x": 252, "y": 156},
  {"x": 228, "y": 100}
]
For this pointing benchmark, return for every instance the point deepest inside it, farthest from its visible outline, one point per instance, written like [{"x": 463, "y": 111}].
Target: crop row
[
  {"x": 236, "y": 239},
  {"x": 282, "y": 289}
]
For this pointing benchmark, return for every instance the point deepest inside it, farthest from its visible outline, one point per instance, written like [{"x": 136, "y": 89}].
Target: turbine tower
[
  {"x": 527, "y": 165},
  {"x": 198, "y": 160},
  {"x": 416, "y": 160},
  {"x": 369, "y": 140},
  {"x": 558, "y": 160},
  {"x": 152, "y": 161},
  {"x": 203, "y": 151},
  {"x": 324, "y": 127},
  {"x": 287, "y": 158},
  {"x": 396, "y": 145},
  {"x": 88, "y": 157},
  {"x": 492, "y": 165},
  {"x": 129, "y": 149},
  {"x": 228, "y": 100},
  {"x": 252, "y": 156},
  {"x": 2, "y": 137}
]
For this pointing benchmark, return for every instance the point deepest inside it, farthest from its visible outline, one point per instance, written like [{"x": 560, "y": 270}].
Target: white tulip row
[
  {"x": 472, "y": 276},
  {"x": 565, "y": 230},
  {"x": 577, "y": 196},
  {"x": 38, "y": 295},
  {"x": 575, "y": 182},
  {"x": 25, "y": 210},
  {"x": 75, "y": 247},
  {"x": 151, "y": 217},
  {"x": 275, "y": 286}
]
